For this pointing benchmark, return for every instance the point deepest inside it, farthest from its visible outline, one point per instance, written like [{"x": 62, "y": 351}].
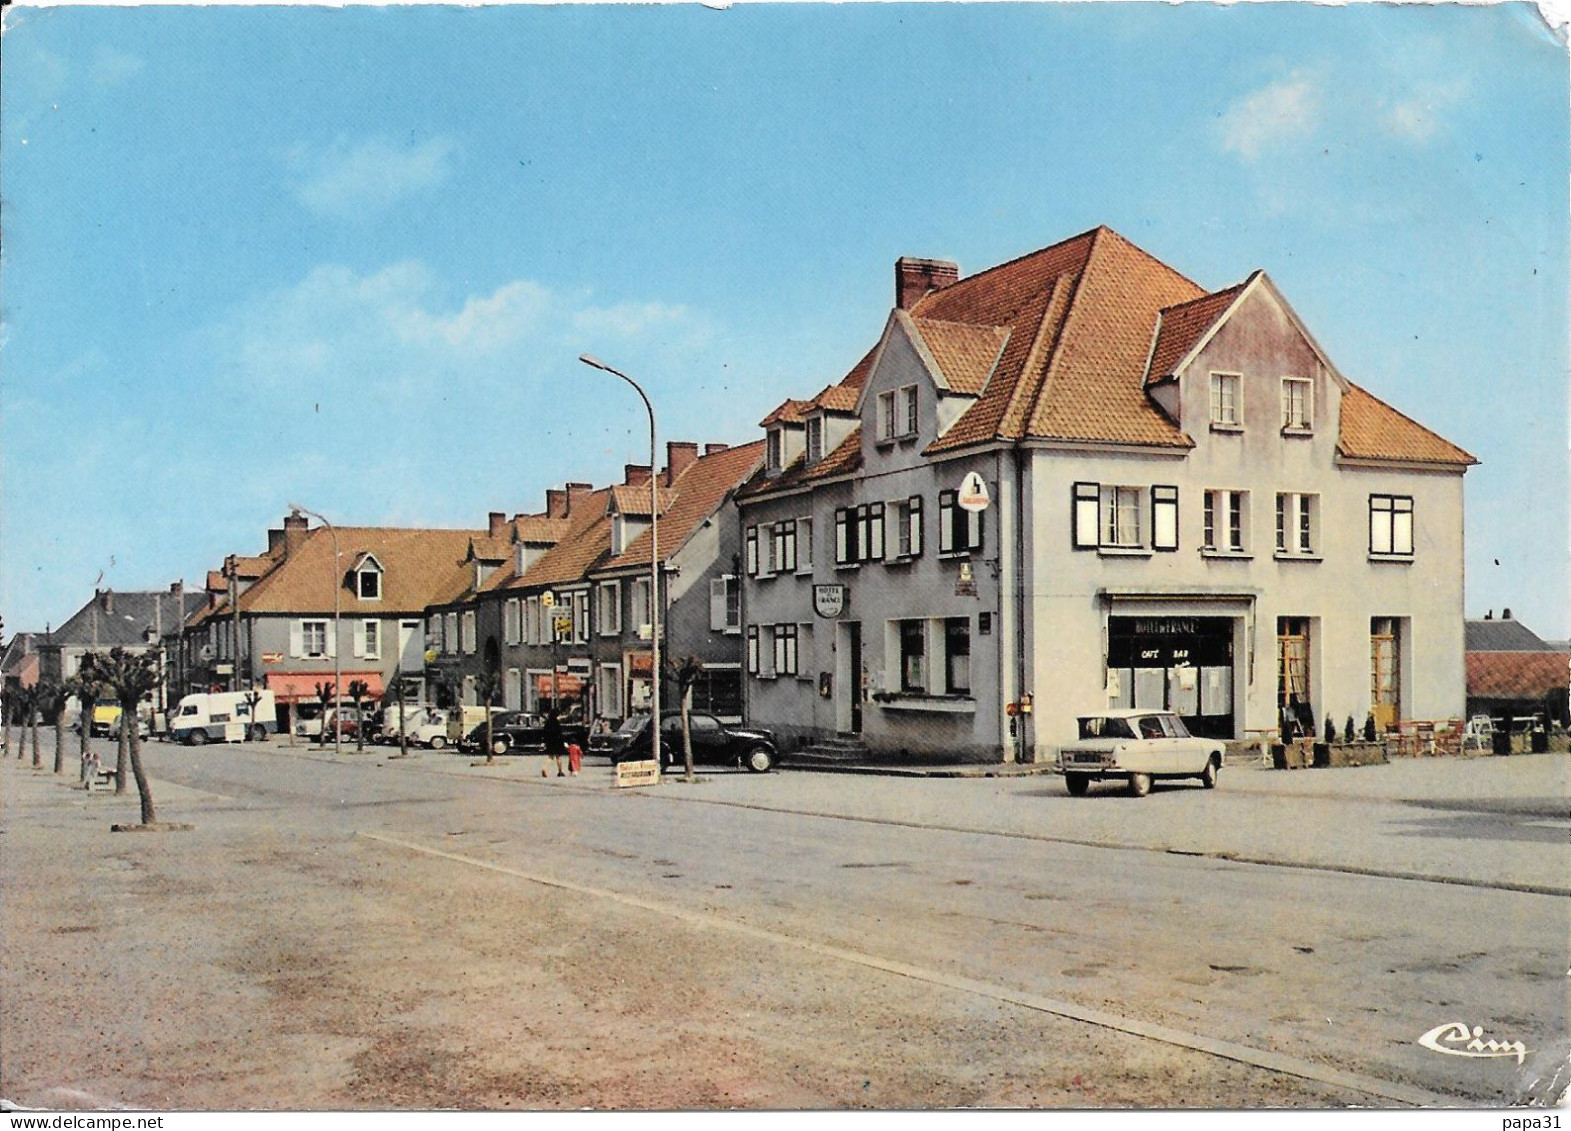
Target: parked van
[
  {"x": 423, "y": 726},
  {"x": 461, "y": 722},
  {"x": 224, "y": 716}
]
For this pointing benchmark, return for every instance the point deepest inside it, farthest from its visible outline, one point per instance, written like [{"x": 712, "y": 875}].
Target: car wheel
[
  {"x": 1208, "y": 775},
  {"x": 1077, "y": 784},
  {"x": 438, "y": 741},
  {"x": 198, "y": 738},
  {"x": 258, "y": 733},
  {"x": 1139, "y": 785},
  {"x": 760, "y": 759},
  {"x": 499, "y": 746}
]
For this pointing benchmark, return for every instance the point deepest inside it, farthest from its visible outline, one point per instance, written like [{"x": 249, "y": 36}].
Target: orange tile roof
[
  {"x": 965, "y": 354},
  {"x": 538, "y": 528},
  {"x": 487, "y": 549},
  {"x": 844, "y": 458},
  {"x": 635, "y": 500},
  {"x": 217, "y": 582},
  {"x": 836, "y": 398},
  {"x": 857, "y": 377},
  {"x": 584, "y": 545},
  {"x": 791, "y": 412},
  {"x": 421, "y": 567},
  {"x": 1372, "y": 429},
  {"x": 1517, "y": 675},
  {"x": 1180, "y": 327},
  {"x": 697, "y": 492}
]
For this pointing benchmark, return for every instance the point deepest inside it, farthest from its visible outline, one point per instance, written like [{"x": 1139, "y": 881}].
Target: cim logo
[{"x": 1455, "y": 1039}]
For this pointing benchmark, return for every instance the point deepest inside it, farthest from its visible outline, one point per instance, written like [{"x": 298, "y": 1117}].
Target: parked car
[
  {"x": 1139, "y": 747},
  {"x": 526, "y": 732},
  {"x": 308, "y": 721},
  {"x": 423, "y": 726},
  {"x": 714, "y": 743}
]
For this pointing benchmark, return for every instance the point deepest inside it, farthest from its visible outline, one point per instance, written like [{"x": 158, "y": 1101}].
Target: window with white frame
[
  {"x": 1297, "y": 404},
  {"x": 912, "y": 637},
  {"x": 371, "y": 639},
  {"x": 1391, "y": 525},
  {"x": 609, "y": 693},
  {"x": 907, "y": 516},
  {"x": 1225, "y": 522},
  {"x": 1296, "y": 519},
  {"x": 785, "y": 649},
  {"x": 774, "y": 449},
  {"x": 804, "y": 545},
  {"x": 1224, "y": 400},
  {"x": 859, "y": 534},
  {"x": 815, "y": 439},
  {"x": 959, "y": 530},
  {"x": 957, "y": 656},
  {"x": 785, "y": 546},
  {"x": 1121, "y": 517},
  {"x": 580, "y": 600},
  {"x": 725, "y": 603},
  {"x": 908, "y": 404},
  {"x": 638, "y": 604},
  {"x": 510, "y": 621},
  {"x": 469, "y": 632},
  {"x": 313, "y": 638},
  {"x": 608, "y": 599},
  {"x": 886, "y": 415},
  {"x": 368, "y": 583}
]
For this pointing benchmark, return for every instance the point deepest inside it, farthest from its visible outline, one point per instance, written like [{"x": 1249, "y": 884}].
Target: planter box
[
  {"x": 1357, "y": 753},
  {"x": 1293, "y": 755}
]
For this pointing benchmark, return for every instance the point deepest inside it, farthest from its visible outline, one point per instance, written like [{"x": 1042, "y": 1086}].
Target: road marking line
[{"x": 1228, "y": 1050}]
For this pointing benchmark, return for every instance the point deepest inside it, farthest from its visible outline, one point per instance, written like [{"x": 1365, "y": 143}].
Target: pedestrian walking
[{"x": 555, "y": 748}]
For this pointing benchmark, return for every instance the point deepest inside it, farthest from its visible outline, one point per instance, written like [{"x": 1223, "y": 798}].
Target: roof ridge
[{"x": 968, "y": 280}]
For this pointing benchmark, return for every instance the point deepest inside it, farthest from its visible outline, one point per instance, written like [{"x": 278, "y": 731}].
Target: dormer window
[
  {"x": 815, "y": 439},
  {"x": 774, "y": 449},
  {"x": 368, "y": 579}
]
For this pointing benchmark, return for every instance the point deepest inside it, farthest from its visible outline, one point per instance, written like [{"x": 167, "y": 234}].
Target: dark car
[
  {"x": 518, "y": 732},
  {"x": 714, "y": 743}
]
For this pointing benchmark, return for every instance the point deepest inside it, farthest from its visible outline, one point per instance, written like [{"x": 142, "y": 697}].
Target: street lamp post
[
  {"x": 654, "y": 558},
  {"x": 338, "y": 662}
]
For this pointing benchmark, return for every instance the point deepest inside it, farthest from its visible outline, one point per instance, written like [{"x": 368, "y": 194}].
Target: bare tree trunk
[
  {"x": 121, "y": 757},
  {"x": 37, "y": 759},
  {"x": 142, "y": 788},
  {"x": 359, "y": 726},
  {"x": 687, "y": 730},
  {"x": 85, "y": 729},
  {"x": 60, "y": 740}
]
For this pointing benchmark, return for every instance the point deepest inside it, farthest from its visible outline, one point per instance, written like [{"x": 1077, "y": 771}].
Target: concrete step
[{"x": 829, "y": 752}]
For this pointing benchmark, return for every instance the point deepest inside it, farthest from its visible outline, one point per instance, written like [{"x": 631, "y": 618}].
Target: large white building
[{"x": 1189, "y": 506}]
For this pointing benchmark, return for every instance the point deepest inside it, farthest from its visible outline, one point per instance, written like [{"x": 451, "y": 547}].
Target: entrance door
[
  {"x": 1384, "y": 676},
  {"x": 848, "y": 679},
  {"x": 1292, "y": 677}
]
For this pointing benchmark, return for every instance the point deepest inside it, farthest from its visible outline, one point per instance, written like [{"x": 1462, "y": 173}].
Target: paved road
[{"x": 993, "y": 922}]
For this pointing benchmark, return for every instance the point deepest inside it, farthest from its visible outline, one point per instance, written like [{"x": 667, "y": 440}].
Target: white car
[{"x": 1138, "y": 746}]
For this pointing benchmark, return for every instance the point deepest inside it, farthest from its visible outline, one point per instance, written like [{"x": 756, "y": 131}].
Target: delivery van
[{"x": 224, "y": 716}]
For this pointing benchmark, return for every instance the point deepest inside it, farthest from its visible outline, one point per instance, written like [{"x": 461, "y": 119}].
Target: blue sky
[{"x": 350, "y": 256}]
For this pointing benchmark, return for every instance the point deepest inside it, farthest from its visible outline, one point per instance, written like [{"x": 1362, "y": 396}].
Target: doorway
[{"x": 848, "y": 678}]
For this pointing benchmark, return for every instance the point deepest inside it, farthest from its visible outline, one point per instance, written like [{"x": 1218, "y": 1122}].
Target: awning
[
  {"x": 290, "y": 687},
  {"x": 565, "y": 685}
]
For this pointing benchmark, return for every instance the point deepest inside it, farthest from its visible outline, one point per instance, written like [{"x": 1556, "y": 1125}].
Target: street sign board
[
  {"x": 829, "y": 601},
  {"x": 973, "y": 493},
  {"x": 547, "y": 599},
  {"x": 637, "y": 773}
]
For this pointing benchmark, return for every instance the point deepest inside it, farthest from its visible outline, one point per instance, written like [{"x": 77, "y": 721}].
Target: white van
[
  {"x": 224, "y": 716},
  {"x": 423, "y": 726}
]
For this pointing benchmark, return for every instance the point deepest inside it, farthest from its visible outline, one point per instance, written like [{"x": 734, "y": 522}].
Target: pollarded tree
[
  {"x": 686, "y": 672},
  {"x": 324, "y": 694},
  {"x": 27, "y": 701},
  {"x": 487, "y": 684},
  {"x": 128, "y": 677},
  {"x": 53, "y": 698},
  {"x": 359, "y": 691},
  {"x": 86, "y": 687}
]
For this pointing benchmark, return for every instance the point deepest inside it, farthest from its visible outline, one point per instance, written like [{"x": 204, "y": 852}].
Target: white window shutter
[
  {"x": 296, "y": 639},
  {"x": 359, "y": 639},
  {"x": 332, "y": 639},
  {"x": 891, "y": 535},
  {"x": 717, "y": 604}
]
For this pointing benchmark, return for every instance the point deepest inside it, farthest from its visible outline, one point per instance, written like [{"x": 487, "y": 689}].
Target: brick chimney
[
  {"x": 715, "y": 449},
  {"x": 915, "y": 278},
  {"x": 109, "y": 600},
  {"x": 577, "y": 492},
  {"x": 679, "y": 456},
  {"x": 636, "y": 474},
  {"x": 1505, "y": 614},
  {"x": 275, "y": 540},
  {"x": 496, "y": 523},
  {"x": 295, "y": 532},
  {"x": 555, "y": 503}
]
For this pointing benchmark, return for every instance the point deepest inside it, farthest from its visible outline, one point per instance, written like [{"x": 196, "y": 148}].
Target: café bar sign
[{"x": 829, "y": 601}]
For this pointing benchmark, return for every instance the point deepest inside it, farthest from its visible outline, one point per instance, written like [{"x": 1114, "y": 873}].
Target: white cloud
[
  {"x": 110, "y": 66},
  {"x": 1420, "y": 116},
  {"x": 348, "y": 181},
  {"x": 1281, "y": 114}
]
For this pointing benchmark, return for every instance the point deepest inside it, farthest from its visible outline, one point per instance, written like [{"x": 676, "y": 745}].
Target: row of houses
[{"x": 1073, "y": 481}]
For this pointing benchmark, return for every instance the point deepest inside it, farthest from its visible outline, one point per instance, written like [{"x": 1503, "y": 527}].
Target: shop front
[{"x": 1179, "y": 663}]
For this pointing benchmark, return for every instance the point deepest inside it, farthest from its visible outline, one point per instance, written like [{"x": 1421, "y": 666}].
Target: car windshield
[
  {"x": 633, "y": 724},
  {"x": 1101, "y": 726}
]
